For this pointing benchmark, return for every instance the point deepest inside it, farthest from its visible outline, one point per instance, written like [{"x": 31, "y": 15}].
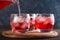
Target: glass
[
  {"x": 32, "y": 21},
  {"x": 44, "y": 22},
  {"x": 19, "y": 23},
  {"x": 5, "y": 3}
]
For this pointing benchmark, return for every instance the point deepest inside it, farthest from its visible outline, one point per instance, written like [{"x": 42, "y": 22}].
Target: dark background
[{"x": 32, "y": 6}]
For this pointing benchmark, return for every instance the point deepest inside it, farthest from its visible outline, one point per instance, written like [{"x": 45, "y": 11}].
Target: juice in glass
[{"x": 44, "y": 23}]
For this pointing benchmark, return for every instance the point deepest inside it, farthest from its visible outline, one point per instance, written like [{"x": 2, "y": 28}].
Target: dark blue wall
[{"x": 32, "y": 6}]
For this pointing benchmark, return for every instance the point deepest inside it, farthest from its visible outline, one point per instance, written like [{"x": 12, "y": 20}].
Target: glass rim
[{"x": 34, "y": 13}]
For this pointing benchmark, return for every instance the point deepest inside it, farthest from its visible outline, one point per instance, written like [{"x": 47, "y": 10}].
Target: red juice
[
  {"x": 43, "y": 23},
  {"x": 4, "y": 3},
  {"x": 19, "y": 27},
  {"x": 31, "y": 23}
]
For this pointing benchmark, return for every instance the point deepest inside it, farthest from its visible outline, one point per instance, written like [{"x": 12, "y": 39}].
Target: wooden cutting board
[{"x": 30, "y": 34}]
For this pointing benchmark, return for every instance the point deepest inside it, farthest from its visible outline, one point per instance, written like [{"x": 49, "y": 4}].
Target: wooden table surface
[{"x": 4, "y": 38}]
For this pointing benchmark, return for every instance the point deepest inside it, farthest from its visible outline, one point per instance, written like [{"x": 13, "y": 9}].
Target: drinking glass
[
  {"x": 32, "y": 21},
  {"x": 19, "y": 23},
  {"x": 44, "y": 22}
]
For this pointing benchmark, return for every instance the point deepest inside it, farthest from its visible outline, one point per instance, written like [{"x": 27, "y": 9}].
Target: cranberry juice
[
  {"x": 18, "y": 27},
  {"x": 4, "y": 4},
  {"x": 31, "y": 24},
  {"x": 43, "y": 23}
]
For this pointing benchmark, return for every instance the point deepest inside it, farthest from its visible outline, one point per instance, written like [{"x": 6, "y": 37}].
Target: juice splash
[{"x": 4, "y": 3}]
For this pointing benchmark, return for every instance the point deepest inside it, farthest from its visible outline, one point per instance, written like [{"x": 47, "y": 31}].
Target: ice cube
[
  {"x": 42, "y": 19},
  {"x": 37, "y": 19},
  {"x": 47, "y": 20},
  {"x": 22, "y": 20},
  {"x": 34, "y": 16},
  {"x": 24, "y": 25},
  {"x": 28, "y": 18},
  {"x": 52, "y": 19},
  {"x": 16, "y": 19}
]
